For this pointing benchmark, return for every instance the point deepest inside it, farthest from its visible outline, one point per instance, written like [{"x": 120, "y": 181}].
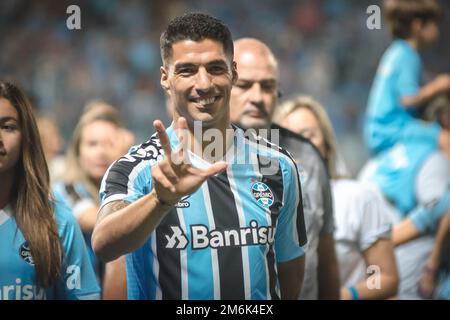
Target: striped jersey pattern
[{"x": 225, "y": 240}]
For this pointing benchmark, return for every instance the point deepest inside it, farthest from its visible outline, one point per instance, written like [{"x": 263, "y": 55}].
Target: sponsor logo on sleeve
[{"x": 25, "y": 253}]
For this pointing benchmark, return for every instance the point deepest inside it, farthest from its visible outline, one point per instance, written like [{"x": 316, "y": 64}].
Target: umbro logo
[{"x": 183, "y": 203}]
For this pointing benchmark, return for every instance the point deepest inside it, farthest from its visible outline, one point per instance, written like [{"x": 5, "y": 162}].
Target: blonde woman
[
  {"x": 98, "y": 139},
  {"x": 363, "y": 230}
]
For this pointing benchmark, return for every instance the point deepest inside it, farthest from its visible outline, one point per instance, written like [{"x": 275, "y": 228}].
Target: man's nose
[
  {"x": 256, "y": 93},
  {"x": 203, "y": 80}
]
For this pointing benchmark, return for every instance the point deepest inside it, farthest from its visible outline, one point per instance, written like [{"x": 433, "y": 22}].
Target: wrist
[
  {"x": 353, "y": 293},
  {"x": 345, "y": 294},
  {"x": 430, "y": 269},
  {"x": 161, "y": 202}
]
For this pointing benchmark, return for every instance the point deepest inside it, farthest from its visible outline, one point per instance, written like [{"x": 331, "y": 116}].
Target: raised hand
[{"x": 174, "y": 177}]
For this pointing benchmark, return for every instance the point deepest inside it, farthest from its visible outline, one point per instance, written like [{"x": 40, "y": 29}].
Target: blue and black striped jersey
[{"x": 223, "y": 241}]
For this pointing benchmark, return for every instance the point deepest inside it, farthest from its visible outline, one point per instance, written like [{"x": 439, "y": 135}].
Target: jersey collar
[
  {"x": 5, "y": 214},
  {"x": 197, "y": 161}
]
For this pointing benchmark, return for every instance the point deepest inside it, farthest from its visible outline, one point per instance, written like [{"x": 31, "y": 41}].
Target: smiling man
[{"x": 197, "y": 228}]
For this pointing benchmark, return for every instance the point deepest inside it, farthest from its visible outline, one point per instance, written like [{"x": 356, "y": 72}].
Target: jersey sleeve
[
  {"x": 433, "y": 179},
  {"x": 291, "y": 232},
  {"x": 375, "y": 224},
  {"x": 409, "y": 74},
  {"x": 426, "y": 219},
  {"x": 78, "y": 201},
  {"x": 129, "y": 178},
  {"x": 78, "y": 280}
]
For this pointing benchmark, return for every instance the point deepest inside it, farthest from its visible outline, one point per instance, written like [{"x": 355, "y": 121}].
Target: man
[
  {"x": 253, "y": 100},
  {"x": 193, "y": 229}
]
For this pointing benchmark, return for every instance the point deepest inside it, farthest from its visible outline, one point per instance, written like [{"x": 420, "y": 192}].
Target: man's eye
[
  {"x": 186, "y": 71},
  {"x": 217, "y": 70},
  {"x": 268, "y": 86},
  {"x": 243, "y": 85}
]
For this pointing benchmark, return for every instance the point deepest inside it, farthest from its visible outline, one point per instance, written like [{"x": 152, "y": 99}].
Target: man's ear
[
  {"x": 164, "y": 79},
  {"x": 234, "y": 72}
]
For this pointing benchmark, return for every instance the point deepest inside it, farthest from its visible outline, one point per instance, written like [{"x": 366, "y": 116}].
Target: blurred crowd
[{"x": 325, "y": 49}]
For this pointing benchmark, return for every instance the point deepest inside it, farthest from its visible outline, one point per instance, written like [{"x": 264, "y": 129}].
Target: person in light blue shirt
[
  {"x": 396, "y": 93},
  {"x": 43, "y": 253},
  {"x": 76, "y": 278},
  {"x": 416, "y": 184},
  {"x": 77, "y": 198},
  {"x": 434, "y": 219}
]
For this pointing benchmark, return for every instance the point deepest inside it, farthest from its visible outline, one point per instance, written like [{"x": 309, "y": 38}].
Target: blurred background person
[
  {"x": 116, "y": 55},
  {"x": 363, "y": 229},
  {"x": 415, "y": 184},
  {"x": 43, "y": 254},
  {"x": 254, "y": 98},
  {"x": 98, "y": 139},
  {"x": 414, "y": 231},
  {"x": 397, "y": 92},
  {"x": 435, "y": 280},
  {"x": 52, "y": 143}
]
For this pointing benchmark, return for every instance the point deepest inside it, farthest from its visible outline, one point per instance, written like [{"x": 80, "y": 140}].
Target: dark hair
[
  {"x": 196, "y": 27},
  {"x": 438, "y": 110},
  {"x": 401, "y": 13},
  {"x": 31, "y": 204}
]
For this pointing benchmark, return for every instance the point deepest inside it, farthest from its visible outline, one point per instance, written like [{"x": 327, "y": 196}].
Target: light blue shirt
[
  {"x": 387, "y": 120},
  {"x": 17, "y": 271}
]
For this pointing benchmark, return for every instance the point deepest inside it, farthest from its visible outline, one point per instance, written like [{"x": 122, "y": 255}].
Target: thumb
[{"x": 216, "y": 168}]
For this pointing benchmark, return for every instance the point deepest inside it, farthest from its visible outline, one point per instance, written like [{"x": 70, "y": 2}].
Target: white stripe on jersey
[
  {"x": 131, "y": 178},
  {"x": 158, "y": 294},
  {"x": 254, "y": 158},
  {"x": 114, "y": 197},
  {"x": 103, "y": 183},
  {"x": 183, "y": 261},
  {"x": 5, "y": 214},
  {"x": 212, "y": 226},
  {"x": 135, "y": 173},
  {"x": 297, "y": 191},
  {"x": 93, "y": 296},
  {"x": 244, "y": 249}
]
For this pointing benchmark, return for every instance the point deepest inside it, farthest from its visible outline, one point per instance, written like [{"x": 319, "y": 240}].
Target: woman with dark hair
[{"x": 43, "y": 254}]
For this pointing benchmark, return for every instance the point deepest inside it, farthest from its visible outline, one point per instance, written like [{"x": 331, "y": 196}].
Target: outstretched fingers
[
  {"x": 158, "y": 175},
  {"x": 216, "y": 168},
  {"x": 163, "y": 138}
]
